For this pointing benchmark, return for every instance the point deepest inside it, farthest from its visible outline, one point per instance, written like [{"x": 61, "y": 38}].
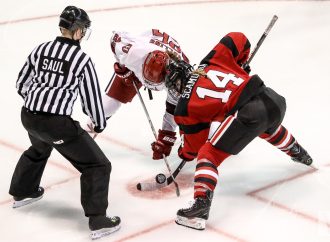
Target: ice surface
[{"x": 261, "y": 196}]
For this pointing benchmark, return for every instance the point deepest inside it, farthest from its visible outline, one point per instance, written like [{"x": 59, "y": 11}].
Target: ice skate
[
  {"x": 102, "y": 225},
  {"x": 195, "y": 216},
  {"x": 24, "y": 200},
  {"x": 299, "y": 154}
]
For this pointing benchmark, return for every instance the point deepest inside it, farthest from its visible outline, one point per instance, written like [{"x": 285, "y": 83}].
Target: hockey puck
[
  {"x": 160, "y": 178},
  {"x": 138, "y": 186}
]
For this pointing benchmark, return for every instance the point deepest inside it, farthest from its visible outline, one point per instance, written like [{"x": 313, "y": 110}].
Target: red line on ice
[
  {"x": 123, "y": 144},
  {"x": 254, "y": 194},
  {"x": 14, "y": 21},
  {"x": 53, "y": 163}
]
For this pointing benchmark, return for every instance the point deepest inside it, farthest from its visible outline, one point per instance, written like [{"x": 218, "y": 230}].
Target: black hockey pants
[
  {"x": 47, "y": 131},
  {"x": 263, "y": 113}
]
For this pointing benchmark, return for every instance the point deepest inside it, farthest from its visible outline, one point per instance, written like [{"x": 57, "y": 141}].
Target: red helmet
[{"x": 154, "y": 69}]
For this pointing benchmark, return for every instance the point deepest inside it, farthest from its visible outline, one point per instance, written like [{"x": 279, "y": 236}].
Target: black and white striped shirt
[{"x": 52, "y": 76}]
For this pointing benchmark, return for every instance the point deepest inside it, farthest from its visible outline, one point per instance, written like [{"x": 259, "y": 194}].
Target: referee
[{"x": 52, "y": 77}]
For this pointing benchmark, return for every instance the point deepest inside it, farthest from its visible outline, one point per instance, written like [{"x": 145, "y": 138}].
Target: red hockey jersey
[{"x": 210, "y": 98}]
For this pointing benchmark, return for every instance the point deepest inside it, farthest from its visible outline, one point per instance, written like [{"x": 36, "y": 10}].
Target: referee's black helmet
[{"x": 73, "y": 18}]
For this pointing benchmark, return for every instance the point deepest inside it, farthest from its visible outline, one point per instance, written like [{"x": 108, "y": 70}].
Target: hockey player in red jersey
[
  {"x": 221, "y": 110},
  {"x": 143, "y": 58}
]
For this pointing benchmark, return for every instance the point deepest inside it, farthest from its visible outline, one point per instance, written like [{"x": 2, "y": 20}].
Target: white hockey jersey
[{"x": 131, "y": 50}]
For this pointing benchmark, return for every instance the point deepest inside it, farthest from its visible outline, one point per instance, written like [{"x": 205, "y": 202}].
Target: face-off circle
[{"x": 160, "y": 178}]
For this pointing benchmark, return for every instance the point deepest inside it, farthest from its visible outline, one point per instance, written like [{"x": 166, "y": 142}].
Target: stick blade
[{"x": 177, "y": 190}]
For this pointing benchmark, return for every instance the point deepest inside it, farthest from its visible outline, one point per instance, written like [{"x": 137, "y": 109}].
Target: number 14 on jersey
[{"x": 220, "y": 80}]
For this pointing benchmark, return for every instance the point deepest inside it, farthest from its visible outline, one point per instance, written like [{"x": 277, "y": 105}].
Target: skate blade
[
  {"x": 97, "y": 234},
  {"x": 194, "y": 223},
  {"x": 25, "y": 201}
]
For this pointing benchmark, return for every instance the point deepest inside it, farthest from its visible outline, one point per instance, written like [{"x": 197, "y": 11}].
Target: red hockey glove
[
  {"x": 185, "y": 155},
  {"x": 127, "y": 76},
  {"x": 163, "y": 145}
]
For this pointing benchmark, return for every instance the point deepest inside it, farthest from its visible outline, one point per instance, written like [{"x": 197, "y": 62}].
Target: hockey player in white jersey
[{"x": 143, "y": 59}]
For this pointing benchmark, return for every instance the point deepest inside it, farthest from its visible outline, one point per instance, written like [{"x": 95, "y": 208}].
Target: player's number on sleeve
[{"x": 220, "y": 80}]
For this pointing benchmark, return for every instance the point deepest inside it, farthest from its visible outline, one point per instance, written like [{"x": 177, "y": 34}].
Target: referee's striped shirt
[{"x": 53, "y": 75}]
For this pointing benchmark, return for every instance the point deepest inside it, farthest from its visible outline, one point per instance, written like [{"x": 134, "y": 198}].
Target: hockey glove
[
  {"x": 127, "y": 76},
  {"x": 185, "y": 155},
  {"x": 163, "y": 145},
  {"x": 246, "y": 68}
]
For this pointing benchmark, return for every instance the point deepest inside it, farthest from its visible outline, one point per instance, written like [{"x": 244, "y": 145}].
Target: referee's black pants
[{"x": 47, "y": 131}]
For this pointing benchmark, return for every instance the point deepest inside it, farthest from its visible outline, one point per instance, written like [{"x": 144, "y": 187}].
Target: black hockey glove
[{"x": 246, "y": 68}]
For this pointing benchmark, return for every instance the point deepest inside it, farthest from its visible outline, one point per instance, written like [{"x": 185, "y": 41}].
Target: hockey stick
[
  {"x": 262, "y": 38},
  {"x": 155, "y": 135},
  {"x": 152, "y": 186}
]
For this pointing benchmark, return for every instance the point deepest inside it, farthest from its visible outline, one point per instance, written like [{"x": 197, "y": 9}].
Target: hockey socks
[{"x": 284, "y": 141}]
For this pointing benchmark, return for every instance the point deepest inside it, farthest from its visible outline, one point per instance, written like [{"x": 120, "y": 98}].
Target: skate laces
[
  {"x": 296, "y": 150},
  {"x": 113, "y": 219},
  {"x": 191, "y": 203}
]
